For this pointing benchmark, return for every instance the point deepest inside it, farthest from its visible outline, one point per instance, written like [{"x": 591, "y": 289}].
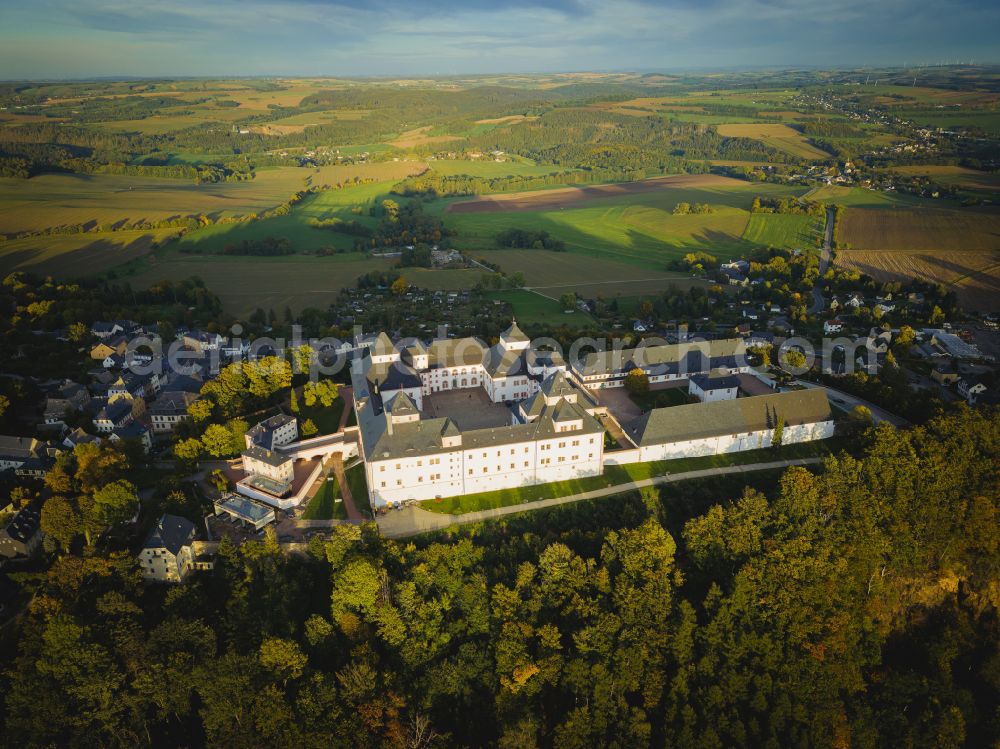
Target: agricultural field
[
  {"x": 959, "y": 248},
  {"x": 783, "y": 231},
  {"x": 490, "y": 168},
  {"x": 78, "y": 255},
  {"x": 974, "y": 276},
  {"x": 958, "y": 176},
  {"x": 246, "y": 283},
  {"x": 629, "y": 223},
  {"x": 555, "y": 273},
  {"x": 778, "y": 136},
  {"x": 349, "y": 204},
  {"x": 52, "y": 200},
  {"x": 859, "y": 197},
  {"x": 921, "y": 229}
]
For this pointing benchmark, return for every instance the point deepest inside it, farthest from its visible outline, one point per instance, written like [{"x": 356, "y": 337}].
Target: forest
[{"x": 856, "y": 606}]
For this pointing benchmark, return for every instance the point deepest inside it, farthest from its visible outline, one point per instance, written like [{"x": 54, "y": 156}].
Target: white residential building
[
  {"x": 273, "y": 433},
  {"x": 708, "y": 388},
  {"x": 169, "y": 410},
  {"x": 167, "y": 555}
]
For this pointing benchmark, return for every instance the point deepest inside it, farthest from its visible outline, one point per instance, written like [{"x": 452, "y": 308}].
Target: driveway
[{"x": 848, "y": 402}]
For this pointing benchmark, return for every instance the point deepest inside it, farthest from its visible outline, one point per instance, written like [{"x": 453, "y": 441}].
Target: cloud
[{"x": 391, "y": 37}]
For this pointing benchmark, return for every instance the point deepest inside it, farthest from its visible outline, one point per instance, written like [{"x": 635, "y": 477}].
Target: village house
[
  {"x": 22, "y": 536},
  {"x": 23, "y": 456},
  {"x": 134, "y": 430},
  {"x": 833, "y": 326},
  {"x": 108, "y": 348},
  {"x": 972, "y": 388},
  {"x": 68, "y": 398},
  {"x": 272, "y": 433},
  {"x": 113, "y": 415},
  {"x": 167, "y": 555},
  {"x": 709, "y": 387},
  {"x": 945, "y": 374},
  {"x": 169, "y": 410}
]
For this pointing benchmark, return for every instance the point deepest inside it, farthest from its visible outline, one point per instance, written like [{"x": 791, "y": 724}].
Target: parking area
[{"x": 469, "y": 408}]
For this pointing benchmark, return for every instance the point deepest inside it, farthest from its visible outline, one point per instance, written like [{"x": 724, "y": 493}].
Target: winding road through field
[{"x": 824, "y": 263}]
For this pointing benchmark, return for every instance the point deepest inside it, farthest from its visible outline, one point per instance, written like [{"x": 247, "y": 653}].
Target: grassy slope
[
  {"x": 637, "y": 229},
  {"x": 614, "y": 475},
  {"x": 323, "y": 506},
  {"x": 784, "y": 231}
]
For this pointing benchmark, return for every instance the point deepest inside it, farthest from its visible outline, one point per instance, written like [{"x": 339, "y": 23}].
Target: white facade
[
  {"x": 481, "y": 469},
  {"x": 711, "y": 391},
  {"x": 160, "y": 565},
  {"x": 734, "y": 443},
  {"x": 281, "y": 469}
]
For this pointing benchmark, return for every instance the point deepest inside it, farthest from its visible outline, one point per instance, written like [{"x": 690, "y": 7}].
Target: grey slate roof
[
  {"x": 172, "y": 533},
  {"x": 673, "y": 358},
  {"x": 514, "y": 333},
  {"x": 502, "y": 363},
  {"x": 270, "y": 457},
  {"x": 717, "y": 418},
  {"x": 402, "y": 405},
  {"x": 716, "y": 382},
  {"x": 18, "y": 447},
  {"x": 455, "y": 352}
]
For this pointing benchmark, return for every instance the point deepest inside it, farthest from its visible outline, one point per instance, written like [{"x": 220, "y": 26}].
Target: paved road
[
  {"x": 824, "y": 262},
  {"x": 848, "y": 402},
  {"x": 412, "y": 521}
]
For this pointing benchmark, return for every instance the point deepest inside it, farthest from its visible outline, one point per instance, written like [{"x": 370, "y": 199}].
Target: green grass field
[
  {"x": 324, "y": 506},
  {"x": 788, "y": 232},
  {"x": 244, "y": 284},
  {"x": 358, "y": 485},
  {"x": 490, "y": 168},
  {"x": 327, "y": 420},
  {"x": 859, "y": 197},
  {"x": 295, "y": 225},
  {"x": 531, "y": 308},
  {"x": 617, "y": 475},
  {"x": 639, "y": 229},
  {"x": 77, "y": 255},
  {"x": 52, "y": 200}
]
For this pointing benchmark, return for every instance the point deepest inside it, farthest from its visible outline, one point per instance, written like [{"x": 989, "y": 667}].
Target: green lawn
[
  {"x": 349, "y": 204},
  {"x": 639, "y": 229},
  {"x": 531, "y": 308},
  {"x": 324, "y": 505},
  {"x": 358, "y": 484},
  {"x": 327, "y": 420},
  {"x": 789, "y": 232},
  {"x": 662, "y": 398},
  {"x": 615, "y": 475},
  {"x": 490, "y": 168}
]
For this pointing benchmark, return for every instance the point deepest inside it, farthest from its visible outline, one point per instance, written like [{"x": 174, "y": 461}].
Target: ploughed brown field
[
  {"x": 956, "y": 247},
  {"x": 562, "y": 197}
]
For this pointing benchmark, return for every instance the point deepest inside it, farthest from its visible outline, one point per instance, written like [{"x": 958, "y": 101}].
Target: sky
[{"x": 142, "y": 38}]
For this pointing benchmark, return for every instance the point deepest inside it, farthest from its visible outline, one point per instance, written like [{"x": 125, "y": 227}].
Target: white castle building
[{"x": 537, "y": 420}]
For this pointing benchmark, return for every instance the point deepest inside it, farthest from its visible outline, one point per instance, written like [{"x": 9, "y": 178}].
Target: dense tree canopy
[{"x": 855, "y": 606}]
